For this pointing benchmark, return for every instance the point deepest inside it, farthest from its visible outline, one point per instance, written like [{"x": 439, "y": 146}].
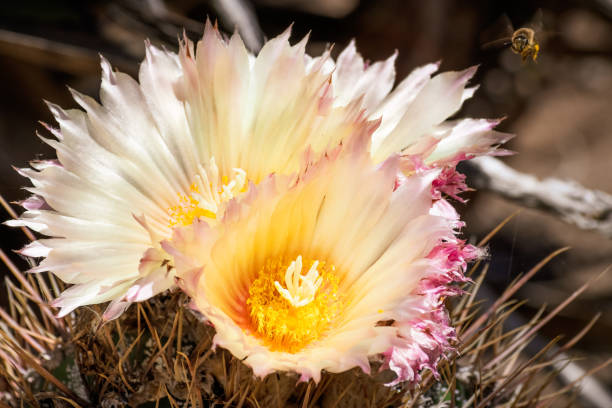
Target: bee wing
[
  {"x": 542, "y": 31},
  {"x": 544, "y": 37},
  {"x": 501, "y": 42},
  {"x": 537, "y": 22},
  {"x": 505, "y": 22},
  {"x": 497, "y": 34}
]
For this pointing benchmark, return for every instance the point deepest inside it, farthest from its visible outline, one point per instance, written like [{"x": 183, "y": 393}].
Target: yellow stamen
[
  {"x": 289, "y": 318},
  {"x": 206, "y": 195},
  {"x": 188, "y": 209}
]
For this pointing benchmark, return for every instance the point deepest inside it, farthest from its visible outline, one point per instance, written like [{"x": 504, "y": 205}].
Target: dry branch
[
  {"x": 241, "y": 15},
  {"x": 575, "y": 204}
]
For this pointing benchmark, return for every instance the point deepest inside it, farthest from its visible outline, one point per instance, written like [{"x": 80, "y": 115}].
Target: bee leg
[{"x": 536, "y": 49}]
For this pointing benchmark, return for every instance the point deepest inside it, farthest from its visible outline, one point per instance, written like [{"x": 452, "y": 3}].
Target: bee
[{"x": 523, "y": 41}]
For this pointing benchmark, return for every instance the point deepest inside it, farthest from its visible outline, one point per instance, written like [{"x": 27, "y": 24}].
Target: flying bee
[{"x": 523, "y": 41}]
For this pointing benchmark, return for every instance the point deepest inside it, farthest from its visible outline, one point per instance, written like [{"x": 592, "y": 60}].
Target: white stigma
[
  {"x": 235, "y": 185},
  {"x": 211, "y": 192},
  {"x": 300, "y": 289}
]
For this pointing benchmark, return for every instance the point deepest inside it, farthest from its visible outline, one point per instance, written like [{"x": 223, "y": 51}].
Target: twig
[
  {"x": 575, "y": 204},
  {"x": 72, "y": 58},
  {"x": 240, "y": 14}
]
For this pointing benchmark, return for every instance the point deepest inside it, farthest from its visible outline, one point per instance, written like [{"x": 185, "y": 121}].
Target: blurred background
[{"x": 560, "y": 108}]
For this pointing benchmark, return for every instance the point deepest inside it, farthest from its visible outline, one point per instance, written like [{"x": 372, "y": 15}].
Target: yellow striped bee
[{"x": 523, "y": 41}]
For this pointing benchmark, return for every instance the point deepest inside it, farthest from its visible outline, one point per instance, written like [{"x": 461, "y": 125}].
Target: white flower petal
[
  {"x": 468, "y": 137},
  {"x": 440, "y": 98},
  {"x": 353, "y": 80},
  {"x": 392, "y": 108},
  {"x": 319, "y": 217},
  {"x": 117, "y": 159},
  {"x": 35, "y": 249}
]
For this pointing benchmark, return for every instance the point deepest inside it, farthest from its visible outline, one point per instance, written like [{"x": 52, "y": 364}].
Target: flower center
[
  {"x": 287, "y": 318},
  {"x": 206, "y": 195}
]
